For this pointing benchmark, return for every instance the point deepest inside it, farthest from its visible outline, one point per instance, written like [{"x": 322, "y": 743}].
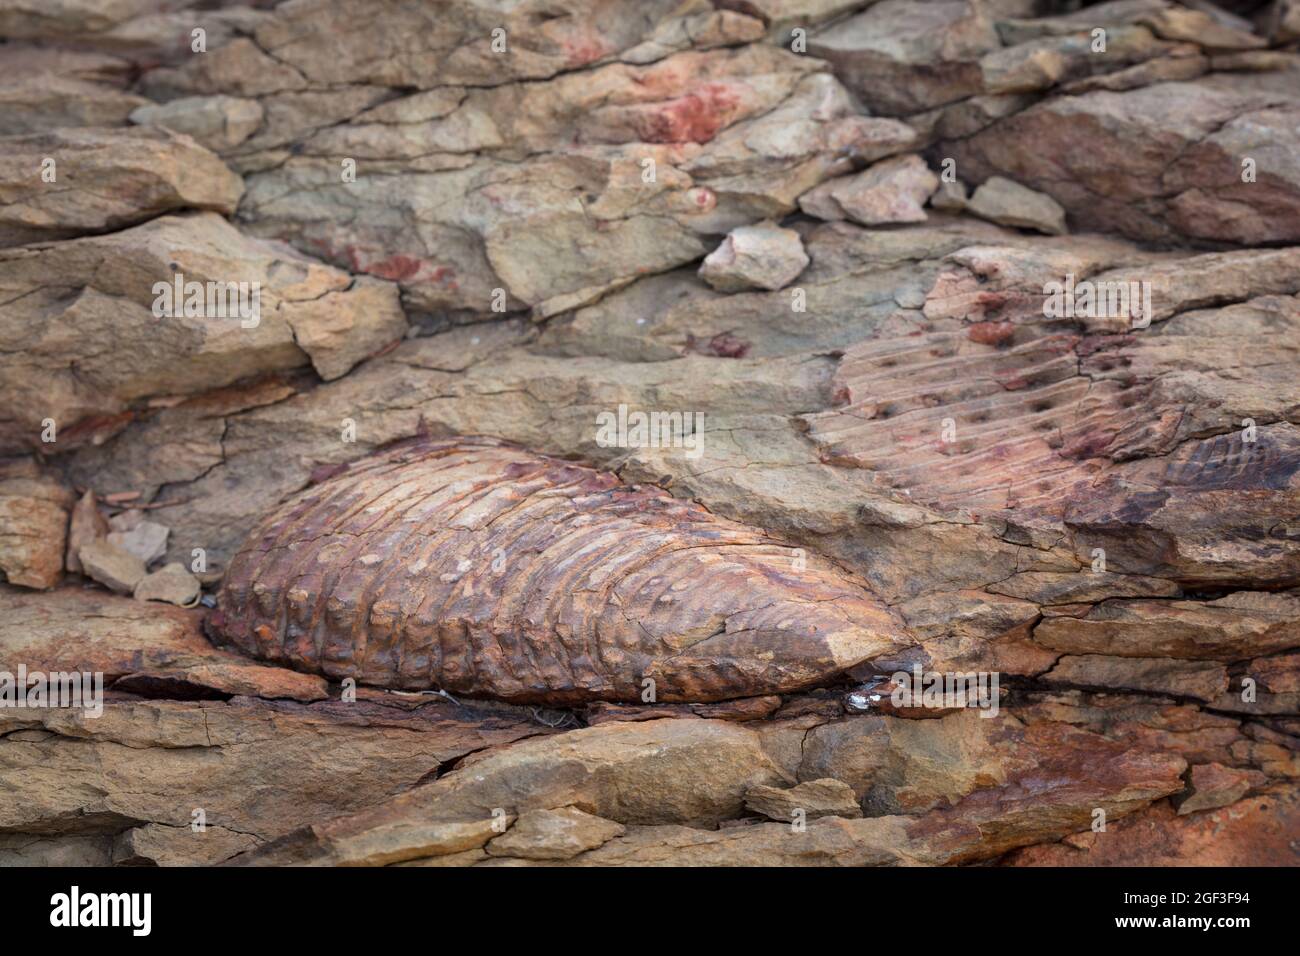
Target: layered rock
[
  {"x": 494, "y": 219},
  {"x": 55, "y": 185},
  {"x": 96, "y": 326}
]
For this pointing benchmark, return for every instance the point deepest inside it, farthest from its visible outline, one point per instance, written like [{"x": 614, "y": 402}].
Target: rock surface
[
  {"x": 107, "y": 179},
  {"x": 170, "y": 583},
  {"x": 810, "y": 800},
  {"x": 893, "y": 190},
  {"x": 755, "y": 257},
  {"x": 1002, "y": 201},
  {"x": 34, "y": 508},
  {"x": 670, "y": 207},
  {"x": 554, "y": 835},
  {"x": 112, "y": 565}
]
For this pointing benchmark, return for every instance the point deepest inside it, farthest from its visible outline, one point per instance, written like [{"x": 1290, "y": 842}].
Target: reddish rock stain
[
  {"x": 693, "y": 118},
  {"x": 398, "y": 268},
  {"x": 991, "y": 333}
]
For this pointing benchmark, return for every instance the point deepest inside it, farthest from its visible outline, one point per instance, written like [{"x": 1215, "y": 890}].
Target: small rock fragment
[
  {"x": 33, "y": 522},
  {"x": 744, "y": 708},
  {"x": 218, "y": 122},
  {"x": 554, "y": 835},
  {"x": 826, "y": 797},
  {"x": 87, "y": 525},
  {"x": 116, "y": 569},
  {"x": 124, "y": 521},
  {"x": 1214, "y": 785},
  {"x": 950, "y": 197},
  {"x": 764, "y": 256},
  {"x": 147, "y": 540},
  {"x": 893, "y": 190},
  {"x": 170, "y": 583},
  {"x": 1203, "y": 680},
  {"x": 1008, "y": 203},
  {"x": 601, "y": 712}
]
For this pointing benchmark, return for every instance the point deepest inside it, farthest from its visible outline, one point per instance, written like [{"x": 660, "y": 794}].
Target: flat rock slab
[
  {"x": 104, "y": 179},
  {"x": 112, "y": 565},
  {"x": 554, "y": 835},
  {"x": 810, "y": 800},
  {"x": 1006, "y": 202},
  {"x": 256, "y": 767},
  {"x": 755, "y": 257},
  {"x": 78, "y": 629}
]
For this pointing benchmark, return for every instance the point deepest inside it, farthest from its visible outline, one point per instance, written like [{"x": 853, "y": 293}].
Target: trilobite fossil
[{"x": 482, "y": 569}]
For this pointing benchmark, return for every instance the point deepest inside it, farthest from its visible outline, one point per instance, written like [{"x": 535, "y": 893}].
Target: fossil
[{"x": 479, "y": 568}]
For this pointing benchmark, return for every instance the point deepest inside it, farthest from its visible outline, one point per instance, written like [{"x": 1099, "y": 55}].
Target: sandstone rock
[
  {"x": 1213, "y": 785},
  {"x": 1002, "y": 201},
  {"x": 300, "y": 763},
  {"x": 33, "y": 524},
  {"x": 114, "y": 567},
  {"x": 731, "y": 621},
  {"x": 554, "y": 835},
  {"x": 424, "y": 48},
  {"x": 86, "y": 525},
  {"x": 25, "y": 19},
  {"x": 1278, "y": 675},
  {"x": 981, "y": 826},
  {"x": 698, "y": 26},
  {"x": 127, "y": 641},
  {"x": 630, "y": 773},
  {"x": 1202, "y": 680},
  {"x": 893, "y": 190},
  {"x": 104, "y": 179},
  {"x": 348, "y": 325},
  {"x": 1081, "y": 586},
  {"x": 755, "y": 257},
  {"x": 145, "y": 539},
  {"x": 1208, "y": 125},
  {"x": 782, "y": 15},
  {"x": 96, "y": 316},
  {"x": 1095, "y": 504},
  {"x": 37, "y": 103},
  {"x": 1254, "y": 832},
  {"x": 170, "y": 583},
  {"x": 163, "y": 36},
  {"x": 734, "y": 136},
  {"x": 815, "y": 798},
  {"x": 1229, "y": 628},
  {"x": 746, "y": 708},
  {"x": 1197, "y": 26},
  {"x": 219, "y": 123},
  {"x": 1283, "y": 21},
  {"x": 157, "y": 844},
  {"x": 950, "y": 197},
  {"x": 831, "y": 841},
  {"x": 904, "y": 57}
]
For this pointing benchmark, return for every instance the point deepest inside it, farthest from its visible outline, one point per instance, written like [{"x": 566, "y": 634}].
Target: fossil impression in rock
[{"x": 482, "y": 569}]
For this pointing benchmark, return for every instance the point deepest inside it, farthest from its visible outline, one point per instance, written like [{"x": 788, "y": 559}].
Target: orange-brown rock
[{"x": 1258, "y": 831}]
